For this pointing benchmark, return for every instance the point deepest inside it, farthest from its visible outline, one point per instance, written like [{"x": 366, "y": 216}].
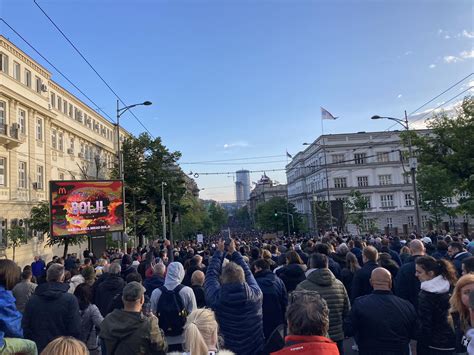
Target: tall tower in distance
[{"x": 242, "y": 187}]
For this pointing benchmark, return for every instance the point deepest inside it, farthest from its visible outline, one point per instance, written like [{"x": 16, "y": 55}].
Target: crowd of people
[{"x": 246, "y": 295}]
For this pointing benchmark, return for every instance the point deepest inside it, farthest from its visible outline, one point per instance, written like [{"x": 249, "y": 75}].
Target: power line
[
  {"x": 235, "y": 159},
  {"x": 55, "y": 68},
  {"x": 92, "y": 67},
  {"x": 239, "y": 163}
]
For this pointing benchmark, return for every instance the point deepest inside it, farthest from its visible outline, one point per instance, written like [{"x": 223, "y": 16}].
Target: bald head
[
  {"x": 417, "y": 247},
  {"x": 381, "y": 279}
]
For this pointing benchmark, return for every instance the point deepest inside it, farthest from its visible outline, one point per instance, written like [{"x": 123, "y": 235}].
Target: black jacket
[
  {"x": 51, "y": 312},
  {"x": 189, "y": 274},
  {"x": 291, "y": 276},
  {"x": 360, "y": 283},
  {"x": 153, "y": 282},
  {"x": 275, "y": 300},
  {"x": 106, "y": 291},
  {"x": 347, "y": 277},
  {"x": 382, "y": 323},
  {"x": 457, "y": 261},
  {"x": 200, "y": 295},
  {"x": 407, "y": 285}
]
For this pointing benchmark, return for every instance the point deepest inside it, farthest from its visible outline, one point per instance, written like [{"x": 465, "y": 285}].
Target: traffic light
[{"x": 276, "y": 213}]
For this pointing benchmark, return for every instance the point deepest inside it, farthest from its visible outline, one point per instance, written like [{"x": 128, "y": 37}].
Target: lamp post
[
  {"x": 163, "y": 208},
  {"x": 412, "y": 163}
]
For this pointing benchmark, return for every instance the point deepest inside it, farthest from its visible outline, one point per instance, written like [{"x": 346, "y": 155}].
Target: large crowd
[{"x": 246, "y": 295}]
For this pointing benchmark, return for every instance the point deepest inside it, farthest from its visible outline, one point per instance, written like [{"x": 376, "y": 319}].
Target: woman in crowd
[
  {"x": 90, "y": 318},
  {"x": 347, "y": 274},
  {"x": 293, "y": 272},
  {"x": 201, "y": 334},
  {"x": 460, "y": 313},
  {"x": 65, "y": 345},
  {"x": 405, "y": 254},
  {"x": 434, "y": 335},
  {"x": 11, "y": 332},
  {"x": 386, "y": 261}
]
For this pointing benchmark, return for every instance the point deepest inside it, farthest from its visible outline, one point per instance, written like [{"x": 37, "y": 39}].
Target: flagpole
[{"x": 327, "y": 175}]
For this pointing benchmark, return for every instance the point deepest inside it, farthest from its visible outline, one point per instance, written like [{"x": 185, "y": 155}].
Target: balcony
[{"x": 9, "y": 136}]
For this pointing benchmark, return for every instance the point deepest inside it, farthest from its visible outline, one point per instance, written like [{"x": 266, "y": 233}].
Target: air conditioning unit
[
  {"x": 44, "y": 88},
  {"x": 81, "y": 155},
  {"x": 35, "y": 186},
  {"x": 70, "y": 151}
]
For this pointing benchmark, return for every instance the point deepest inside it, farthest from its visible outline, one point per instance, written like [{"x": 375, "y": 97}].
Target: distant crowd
[{"x": 247, "y": 295}]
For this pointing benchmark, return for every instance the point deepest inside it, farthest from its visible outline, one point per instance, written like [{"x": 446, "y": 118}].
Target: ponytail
[
  {"x": 195, "y": 343},
  {"x": 200, "y": 331},
  {"x": 447, "y": 270}
]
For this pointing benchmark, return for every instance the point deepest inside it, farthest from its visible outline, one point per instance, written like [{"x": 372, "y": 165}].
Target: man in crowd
[
  {"x": 51, "y": 311},
  {"x": 275, "y": 298},
  {"x": 407, "y": 285},
  {"x": 333, "y": 292},
  {"x": 308, "y": 323},
  {"x": 24, "y": 290},
  {"x": 381, "y": 322},
  {"x": 128, "y": 331},
  {"x": 361, "y": 282},
  {"x": 197, "y": 284},
  {"x": 468, "y": 265},
  {"x": 237, "y": 302},
  {"x": 156, "y": 280},
  {"x": 108, "y": 288},
  {"x": 38, "y": 268},
  {"x": 458, "y": 253}
]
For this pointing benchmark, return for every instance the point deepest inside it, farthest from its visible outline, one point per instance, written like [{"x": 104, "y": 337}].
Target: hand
[
  {"x": 166, "y": 243},
  {"x": 231, "y": 247},
  {"x": 221, "y": 245}
]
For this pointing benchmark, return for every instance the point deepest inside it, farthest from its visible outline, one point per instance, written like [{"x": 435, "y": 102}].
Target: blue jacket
[
  {"x": 238, "y": 307},
  {"x": 10, "y": 317},
  {"x": 360, "y": 283},
  {"x": 153, "y": 282},
  {"x": 406, "y": 284},
  {"x": 38, "y": 268}
]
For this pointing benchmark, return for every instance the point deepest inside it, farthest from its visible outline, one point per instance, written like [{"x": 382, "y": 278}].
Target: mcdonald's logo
[{"x": 62, "y": 191}]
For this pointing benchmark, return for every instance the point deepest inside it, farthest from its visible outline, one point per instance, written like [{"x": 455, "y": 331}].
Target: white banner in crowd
[{"x": 200, "y": 238}]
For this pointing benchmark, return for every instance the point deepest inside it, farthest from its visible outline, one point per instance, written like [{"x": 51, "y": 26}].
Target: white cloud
[
  {"x": 468, "y": 34},
  {"x": 408, "y": 52},
  {"x": 447, "y": 37},
  {"x": 451, "y": 59},
  {"x": 467, "y": 54},
  {"x": 432, "y": 66},
  {"x": 440, "y": 32},
  {"x": 239, "y": 144},
  {"x": 399, "y": 96}
]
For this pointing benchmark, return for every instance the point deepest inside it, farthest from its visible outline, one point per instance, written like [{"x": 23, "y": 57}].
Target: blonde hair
[
  {"x": 65, "y": 345},
  {"x": 266, "y": 254},
  {"x": 200, "y": 331},
  {"x": 456, "y": 302}
]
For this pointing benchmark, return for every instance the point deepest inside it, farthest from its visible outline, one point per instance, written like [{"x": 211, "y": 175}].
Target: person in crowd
[
  {"x": 434, "y": 334},
  {"x": 51, "y": 311},
  {"x": 156, "y": 280},
  {"x": 127, "y": 267},
  {"x": 356, "y": 248},
  {"x": 405, "y": 255},
  {"x": 65, "y": 345},
  {"x": 275, "y": 297},
  {"x": 108, "y": 288},
  {"x": 468, "y": 265},
  {"x": 301, "y": 253},
  {"x": 340, "y": 255},
  {"x": 407, "y": 285},
  {"x": 236, "y": 298},
  {"x": 117, "y": 303},
  {"x": 201, "y": 334},
  {"x": 347, "y": 274},
  {"x": 90, "y": 318},
  {"x": 24, "y": 290},
  {"x": 38, "y": 268},
  {"x": 195, "y": 264},
  {"x": 171, "y": 303},
  {"x": 361, "y": 282},
  {"x": 325, "y": 248},
  {"x": 128, "y": 331},
  {"x": 70, "y": 262},
  {"x": 396, "y": 245},
  {"x": 293, "y": 272},
  {"x": 460, "y": 311},
  {"x": 88, "y": 273},
  {"x": 381, "y": 322},
  {"x": 386, "y": 248},
  {"x": 76, "y": 279},
  {"x": 386, "y": 261},
  {"x": 333, "y": 292},
  {"x": 197, "y": 285},
  {"x": 458, "y": 253},
  {"x": 99, "y": 269},
  {"x": 146, "y": 263},
  {"x": 308, "y": 323},
  {"x": 11, "y": 332},
  {"x": 441, "y": 250},
  {"x": 267, "y": 255}
]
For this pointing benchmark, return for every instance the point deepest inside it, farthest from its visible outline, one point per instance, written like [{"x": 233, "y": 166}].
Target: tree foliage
[
  {"x": 16, "y": 236},
  {"x": 266, "y": 220},
  {"x": 218, "y": 216},
  {"x": 355, "y": 207}
]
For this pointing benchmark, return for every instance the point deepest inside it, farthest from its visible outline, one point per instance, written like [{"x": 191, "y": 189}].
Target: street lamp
[
  {"x": 412, "y": 163},
  {"x": 163, "y": 209}
]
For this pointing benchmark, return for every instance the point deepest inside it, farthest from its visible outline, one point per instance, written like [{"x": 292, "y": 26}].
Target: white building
[
  {"x": 242, "y": 187},
  {"x": 368, "y": 162}
]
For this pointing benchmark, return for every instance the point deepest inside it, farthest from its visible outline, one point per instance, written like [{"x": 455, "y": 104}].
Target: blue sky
[{"x": 239, "y": 79}]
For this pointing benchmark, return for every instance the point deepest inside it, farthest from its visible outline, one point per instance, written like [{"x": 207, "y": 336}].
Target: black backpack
[{"x": 171, "y": 312}]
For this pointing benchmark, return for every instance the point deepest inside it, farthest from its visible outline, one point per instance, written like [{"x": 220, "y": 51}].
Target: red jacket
[{"x": 308, "y": 345}]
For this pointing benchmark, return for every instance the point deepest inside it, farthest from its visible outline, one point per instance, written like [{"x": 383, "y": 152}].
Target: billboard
[{"x": 86, "y": 207}]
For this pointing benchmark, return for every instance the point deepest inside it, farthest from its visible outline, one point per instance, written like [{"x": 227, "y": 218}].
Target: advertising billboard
[{"x": 86, "y": 207}]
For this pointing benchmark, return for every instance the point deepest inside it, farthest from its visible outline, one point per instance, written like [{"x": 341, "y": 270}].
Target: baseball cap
[
  {"x": 133, "y": 291},
  {"x": 426, "y": 240}
]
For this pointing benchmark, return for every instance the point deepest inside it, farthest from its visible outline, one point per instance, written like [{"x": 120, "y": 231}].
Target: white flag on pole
[{"x": 326, "y": 115}]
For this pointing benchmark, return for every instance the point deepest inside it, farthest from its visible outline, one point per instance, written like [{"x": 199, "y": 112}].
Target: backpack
[{"x": 171, "y": 311}]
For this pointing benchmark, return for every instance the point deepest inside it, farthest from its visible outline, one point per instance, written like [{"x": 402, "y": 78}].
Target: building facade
[
  {"x": 265, "y": 189},
  {"x": 242, "y": 187},
  {"x": 371, "y": 163},
  {"x": 46, "y": 133}
]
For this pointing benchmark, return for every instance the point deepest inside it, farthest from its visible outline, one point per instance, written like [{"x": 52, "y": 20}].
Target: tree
[
  {"x": 16, "y": 236},
  {"x": 242, "y": 217},
  {"x": 446, "y": 162},
  {"x": 271, "y": 216},
  {"x": 39, "y": 221},
  {"x": 218, "y": 216},
  {"x": 355, "y": 207}
]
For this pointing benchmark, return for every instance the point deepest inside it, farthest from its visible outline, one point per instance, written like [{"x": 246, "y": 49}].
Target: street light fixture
[{"x": 412, "y": 162}]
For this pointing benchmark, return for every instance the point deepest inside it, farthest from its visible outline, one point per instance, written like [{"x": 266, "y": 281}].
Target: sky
[{"x": 236, "y": 84}]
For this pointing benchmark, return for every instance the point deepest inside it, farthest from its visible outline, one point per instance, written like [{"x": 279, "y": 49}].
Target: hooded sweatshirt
[{"x": 174, "y": 277}]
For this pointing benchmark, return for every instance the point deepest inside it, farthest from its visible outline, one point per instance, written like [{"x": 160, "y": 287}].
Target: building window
[
  {"x": 337, "y": 158},
  {"x": 38, "y": 84},
  {"x": 60, "y": 141},
  {"x": 367, "y": 201},
  {"x": 72, "y": 143},
  {"x": 368, "y": 223},
  {"x": 389, "y": 222},
  {"x": 27, "y": 78},
  {"x": 53, "y": 139},
  {"x": 60, "y": 103},
  {"x": 61, "y": 176},
  {"x": 406, "y": 178},
  {"x": 22, "y": 120},
  {"x": 65, "y": 107},
  {"x": 383, "y": 157},
  {"x": 385, "y": 179},
  {"x": 3, "y": 171},
  {"x": 424, "y": 221},
  {"x": 53, "y": 100},
  {"x": 39, "y": 177},
  {"x": 16, "y": 71},
  {"x": 4, "y": 63},
  {"x": 340, "y": 182},
  {"x": 408, "y": 200},
  {"x": 411, "y": 222},
  {"x": 386, "y": 200},
  {"x": 360, "y": 158},
  {"x": 39, "y": 129},
  {"x": 71, "y": 110},
  {"x": 22, "y": 175},
  {"x": 3, "y": 129},
  {"x": 362, "y": 181},
  {"x": 449, "y": 200}
]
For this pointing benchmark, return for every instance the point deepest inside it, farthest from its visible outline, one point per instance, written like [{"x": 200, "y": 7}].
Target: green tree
[
  {"x": 16, "y": 236},
  {"x": 242, "y": 217},
  {"x": 354, "y": 208},
  {"x": 218, "y": 216},
  {"x": 266, "y": 220}
]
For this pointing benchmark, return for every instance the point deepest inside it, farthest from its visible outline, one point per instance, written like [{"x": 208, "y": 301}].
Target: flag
[
  {"x": 326, "y": 115},
  {"x": 288, "y": 155}
]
